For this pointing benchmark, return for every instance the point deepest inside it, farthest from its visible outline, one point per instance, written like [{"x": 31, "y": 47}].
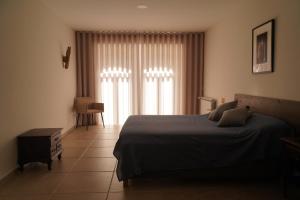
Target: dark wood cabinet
[
  {"x": 39, "y": 145},
  {"x": 292, "y": 159}
]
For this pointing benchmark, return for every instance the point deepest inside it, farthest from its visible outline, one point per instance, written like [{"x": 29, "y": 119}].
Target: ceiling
[{"x": 123, "y": 15}]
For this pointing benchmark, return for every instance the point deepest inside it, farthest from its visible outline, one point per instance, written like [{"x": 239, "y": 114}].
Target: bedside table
[
  {"x": 291, "y": 156},
  {"x": 39, "y": 145}
]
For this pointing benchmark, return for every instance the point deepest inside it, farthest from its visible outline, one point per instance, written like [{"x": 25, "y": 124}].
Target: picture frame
[{"x": 263, "y": 48}]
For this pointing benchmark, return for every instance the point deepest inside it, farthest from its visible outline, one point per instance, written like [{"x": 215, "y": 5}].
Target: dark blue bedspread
[{"x": 159, "y": 143}]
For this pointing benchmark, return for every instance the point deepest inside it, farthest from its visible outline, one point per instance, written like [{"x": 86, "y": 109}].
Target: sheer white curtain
[
  {"x": 117, "y": 65},
  {"x": 139, "y": 74},
  {"x": 162, "y": 73}
]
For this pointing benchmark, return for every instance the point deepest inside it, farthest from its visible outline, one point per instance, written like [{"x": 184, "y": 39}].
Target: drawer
[
  {"x": 53, "y": 151},
  {"x": 58, "y": 147},
  {"x": 55, "y": 138}
]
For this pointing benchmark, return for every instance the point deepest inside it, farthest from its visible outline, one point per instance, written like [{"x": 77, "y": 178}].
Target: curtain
[
  {"x": 161, "y": 73},
  {"x": 140, "y": 73},
  {"x": 118, "y": 66},
  {"x": 86, "y": 69},
  {"x": 194, "y": 70},
  {"x": 85, "y": 64}
]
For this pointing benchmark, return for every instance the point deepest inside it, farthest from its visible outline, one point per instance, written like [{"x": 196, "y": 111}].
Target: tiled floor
[{"x": 87, "y": 172}]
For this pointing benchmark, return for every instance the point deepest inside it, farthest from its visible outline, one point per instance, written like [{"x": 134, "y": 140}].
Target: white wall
[
  {"x": 228, "y": 53},
  {"x": 35, "y": 89}
]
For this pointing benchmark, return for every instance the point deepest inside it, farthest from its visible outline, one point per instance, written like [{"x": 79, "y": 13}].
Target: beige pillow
[
  {"x": 235, "y": 117},
  {"x": 216, "y": 114}
]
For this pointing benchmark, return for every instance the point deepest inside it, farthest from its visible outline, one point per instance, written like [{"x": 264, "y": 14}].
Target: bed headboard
[{"x": 286, "y": 110}]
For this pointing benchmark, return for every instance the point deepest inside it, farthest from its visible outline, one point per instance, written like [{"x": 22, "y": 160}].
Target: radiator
[{"x": 207, "y": 104}]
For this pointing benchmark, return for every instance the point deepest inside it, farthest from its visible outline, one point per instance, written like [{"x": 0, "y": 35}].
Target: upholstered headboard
[{"x": 286, "y": 110}]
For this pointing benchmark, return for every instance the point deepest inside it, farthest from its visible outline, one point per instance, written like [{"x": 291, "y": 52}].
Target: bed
[{"x": 150, "y": 144}]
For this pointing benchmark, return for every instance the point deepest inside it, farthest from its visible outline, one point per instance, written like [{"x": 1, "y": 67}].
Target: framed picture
[{"x": 263, "y": 47}]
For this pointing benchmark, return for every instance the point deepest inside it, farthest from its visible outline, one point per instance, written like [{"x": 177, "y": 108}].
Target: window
[
  {"x": 158, "y": 91},
  {"x": 115, "y": 94},
  {"x": 139, "y": 76}
]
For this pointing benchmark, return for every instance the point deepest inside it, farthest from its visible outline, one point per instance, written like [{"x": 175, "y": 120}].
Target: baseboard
[
  {"x": 10, "y": 172},
  {"x": 67, "y": 132},
  {"x": 7, "y": 174}
]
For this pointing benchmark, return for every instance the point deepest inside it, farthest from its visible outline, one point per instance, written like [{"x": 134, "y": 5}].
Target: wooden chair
[{"x": 85, "y": 106}]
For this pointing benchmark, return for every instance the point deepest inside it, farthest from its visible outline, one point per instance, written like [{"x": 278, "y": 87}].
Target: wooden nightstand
[
  {"x": 291, "y": 156},
  {"x": 39, "y": 145}
]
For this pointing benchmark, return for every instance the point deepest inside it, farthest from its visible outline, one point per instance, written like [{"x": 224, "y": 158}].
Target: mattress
[{"x": 181, "y": 142}]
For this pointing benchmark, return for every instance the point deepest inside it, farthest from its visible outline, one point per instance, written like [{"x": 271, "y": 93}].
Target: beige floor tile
[
  {"x": 63, "y": 165},
  {"x": 72, "y": 152},
  {"x": 35, "y": 169},
  {"x": 99, "y": 152},
  {"x": 107, "y": 136},
  {"x": 109, "y": 130},
  {"x": 87, "y": 182},
  {"x": 59, "y": 166},
  {"x": 116, "y": 185},
  {"x": 82, "y": 129},
  {"x": 94, "y": 164},
  {"x": 104, "y": 143},
  {"x": 97, "y": 127},
  {"x": 107, "y": 127},
  {"x": 82, "y": 132},
  {"x": 83, "y": 196},
  {"x": 155, "y": 184},
  {"x": 26, "y": 197},
  {"x": 79, "y": 128},
  {"x": 75, "y": 143},
  {"x": 76, "y": 135},
  {"x": 165, "y": 184},
  {"x": 128, "y": 196},
  {"x": 218, "y": 193},
  {"x": 154, "y": 196},
  {"x": 31, "y": 182}
]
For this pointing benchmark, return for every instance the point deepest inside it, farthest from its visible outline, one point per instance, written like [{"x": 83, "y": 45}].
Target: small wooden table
[
  {"x": 39, "y": 145},
  {"x": 291, "y": 156}
]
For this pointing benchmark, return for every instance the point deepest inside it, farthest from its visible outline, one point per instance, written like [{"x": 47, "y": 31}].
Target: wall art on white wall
[{"x": 263, "y": 47}]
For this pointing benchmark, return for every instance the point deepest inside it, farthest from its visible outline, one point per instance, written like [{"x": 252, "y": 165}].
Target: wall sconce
[{"x": 66, "y": 58}]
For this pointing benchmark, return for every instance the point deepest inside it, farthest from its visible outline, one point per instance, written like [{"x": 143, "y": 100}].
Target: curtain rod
[{"x": 138, "y": 32}]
